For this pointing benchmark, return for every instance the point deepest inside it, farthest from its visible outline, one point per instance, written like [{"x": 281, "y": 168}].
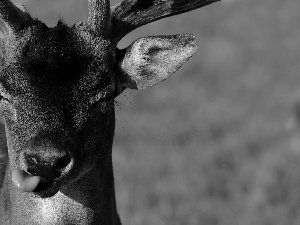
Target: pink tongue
[{"x": 24, "y": 181}]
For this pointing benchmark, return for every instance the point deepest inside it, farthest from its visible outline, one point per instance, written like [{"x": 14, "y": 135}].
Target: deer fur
[{"x": 57, "y": 89}]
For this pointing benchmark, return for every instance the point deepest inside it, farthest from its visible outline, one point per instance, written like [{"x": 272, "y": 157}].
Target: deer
[{"x": 58, "y": 86}]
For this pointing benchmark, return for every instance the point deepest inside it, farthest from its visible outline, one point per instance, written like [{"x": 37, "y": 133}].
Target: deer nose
[{"x": 49, "y": 165}]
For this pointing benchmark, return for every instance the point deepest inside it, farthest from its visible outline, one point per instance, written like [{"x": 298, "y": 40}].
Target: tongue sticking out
[{"x": 24, "y": 181}]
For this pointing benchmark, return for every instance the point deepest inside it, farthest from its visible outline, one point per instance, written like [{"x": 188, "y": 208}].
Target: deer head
[{"x": 58, "y": 87}]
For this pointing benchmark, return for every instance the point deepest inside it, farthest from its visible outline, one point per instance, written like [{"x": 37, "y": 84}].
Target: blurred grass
[{"x": 218, "y": 143}]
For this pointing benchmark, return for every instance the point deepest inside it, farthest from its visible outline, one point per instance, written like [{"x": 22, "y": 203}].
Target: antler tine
[
  {"x": 13, "y": 16},
  {"x": 99, "y": 16},
  {"x": 131, "y": 14}
]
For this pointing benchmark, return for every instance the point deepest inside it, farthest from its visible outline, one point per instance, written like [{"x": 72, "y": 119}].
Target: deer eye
[
  {"x": 104, "y": 103},
  {"x": 99, "y": 101},
  {"x": 4, "y": 105},
  {"x": 4, "y": 102},
  {"x": 4, "y": 97}
]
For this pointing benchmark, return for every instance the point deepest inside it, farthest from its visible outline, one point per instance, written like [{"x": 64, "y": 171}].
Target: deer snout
[{"x": 49, "y": 164}]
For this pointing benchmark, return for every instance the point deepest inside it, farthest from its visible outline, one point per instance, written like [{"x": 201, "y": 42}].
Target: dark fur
[{"x": 58, "y": 90}]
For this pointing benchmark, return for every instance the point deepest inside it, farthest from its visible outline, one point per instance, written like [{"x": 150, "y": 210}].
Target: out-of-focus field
[{"x": 218, "y": 143}]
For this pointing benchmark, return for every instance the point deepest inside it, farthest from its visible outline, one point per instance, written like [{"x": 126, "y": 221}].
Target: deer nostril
[
  {"x": 47, "y": 166},
  {"x": 62, "y": 163}
]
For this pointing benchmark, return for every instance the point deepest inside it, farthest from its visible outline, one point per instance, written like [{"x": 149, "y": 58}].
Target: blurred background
[{"x": 218, "y": 143}]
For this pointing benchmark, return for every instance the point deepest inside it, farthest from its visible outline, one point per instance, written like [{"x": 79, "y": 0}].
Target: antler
[
  {"x": 15, "y": 17},
  {"x": 131, "y": 14},
  {"x": 99, "y": 17}
]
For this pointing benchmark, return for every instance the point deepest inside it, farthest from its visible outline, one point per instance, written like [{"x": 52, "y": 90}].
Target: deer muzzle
[{"x": 43, "y": 161}]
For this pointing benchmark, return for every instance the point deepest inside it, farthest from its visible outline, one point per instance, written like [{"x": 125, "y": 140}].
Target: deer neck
[{"x": 89, "y": 200}]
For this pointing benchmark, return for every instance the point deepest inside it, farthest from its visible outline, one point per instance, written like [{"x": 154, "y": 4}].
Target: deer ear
[{"x": 151, "y": 60}]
